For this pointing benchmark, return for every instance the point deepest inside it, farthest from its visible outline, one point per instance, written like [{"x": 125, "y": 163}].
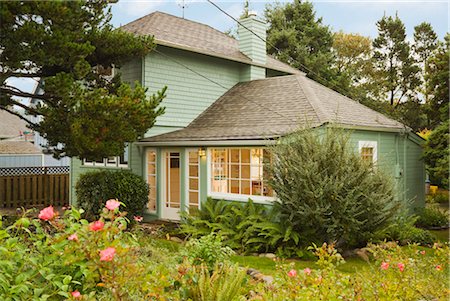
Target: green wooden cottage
[{"x": 226, "y": 100}]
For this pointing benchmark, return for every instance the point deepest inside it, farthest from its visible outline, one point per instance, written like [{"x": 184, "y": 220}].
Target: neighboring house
[
  {"x": 19, "y": 145},
  {"x": 226, "y": 101}
]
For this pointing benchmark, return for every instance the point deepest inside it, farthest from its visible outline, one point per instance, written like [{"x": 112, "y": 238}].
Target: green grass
[
  {"x": 441, "y": 235},
  {"x": 268, "y": 266}
]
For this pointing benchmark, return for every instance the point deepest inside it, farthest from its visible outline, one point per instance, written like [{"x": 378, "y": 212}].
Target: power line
[
  {"x": 274, "y": 47},
  {"x": 222, "y": 86}
]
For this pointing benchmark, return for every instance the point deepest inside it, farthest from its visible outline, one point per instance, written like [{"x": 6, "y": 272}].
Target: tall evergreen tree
[
  {"x": 397, "y": 69},
  {"x": 303, "y": 40},
  {"x": 425, "y": 44},
  {"x": 68, "y": 45}
]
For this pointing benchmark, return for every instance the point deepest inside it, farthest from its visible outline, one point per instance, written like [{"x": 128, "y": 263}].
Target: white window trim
[
  {"x": 266, "y": 200},
  {"x": 371, "y": 144},
  {"x": 105, "y": 163},
  {"x": 187, "y": 150},
  {"x": 156, "y": 177}
]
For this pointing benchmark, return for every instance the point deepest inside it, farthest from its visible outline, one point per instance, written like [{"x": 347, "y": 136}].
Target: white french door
[{"x": 171, "y": 185}]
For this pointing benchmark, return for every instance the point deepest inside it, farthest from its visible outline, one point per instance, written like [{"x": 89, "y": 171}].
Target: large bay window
[{"x": 240, "y": 171}]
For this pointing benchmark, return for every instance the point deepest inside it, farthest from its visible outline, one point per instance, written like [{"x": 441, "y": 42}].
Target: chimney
[{"x": 252, "y": 34}]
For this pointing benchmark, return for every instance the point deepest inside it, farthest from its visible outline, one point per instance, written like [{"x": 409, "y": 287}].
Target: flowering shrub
[{"x": 67, "y": 258}]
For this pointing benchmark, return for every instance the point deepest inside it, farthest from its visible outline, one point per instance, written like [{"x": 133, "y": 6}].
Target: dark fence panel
[{"x": 34, "y": 187}]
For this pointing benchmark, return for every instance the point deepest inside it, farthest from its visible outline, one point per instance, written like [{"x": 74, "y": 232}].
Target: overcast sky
[{"x": 349, "y": 16}]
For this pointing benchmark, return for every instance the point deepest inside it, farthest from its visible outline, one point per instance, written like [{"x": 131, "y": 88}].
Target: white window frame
[
  {"x": 105, "y": 163},
  {"x": 156, "y": 177},
  {"x": 370, "y": 144},
  {"x": 268, "y": 200},
  {"x": 187, "y": 150}
]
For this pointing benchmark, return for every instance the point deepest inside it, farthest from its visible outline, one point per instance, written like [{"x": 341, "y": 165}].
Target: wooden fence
[{"x": 34, "y": 187}]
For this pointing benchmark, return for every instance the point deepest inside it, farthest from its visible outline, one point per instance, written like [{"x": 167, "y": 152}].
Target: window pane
[
  {"x": 235, "y": 171},
  {"x": 245, "y": 155},
  {"x": 151, "y": 157},
  {"x": 256, "y": 188},
  {"x": 193, "y": 157},
  {"x": 151, "y": 180},
  {"x": 234, "y": 154},
  {"x": 193, "y": 198},
  {"x": 245, "y": 187},
  {"x": 151, "y": 169},
  {"x": 151, "y": 205},
  {"x": 245, "y": 172},
  {"x": 193, "y": 184},
  {"x": 234, "y": 186},
  {"x": 193, "y": 170}
]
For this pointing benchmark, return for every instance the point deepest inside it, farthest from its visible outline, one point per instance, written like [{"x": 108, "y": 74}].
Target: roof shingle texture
[
  {"x": 177, "y": 32},
  {"x": 11, "y": 125},
  {"x": 273, "y": 107},
  {"x": 18, "y": 147}
]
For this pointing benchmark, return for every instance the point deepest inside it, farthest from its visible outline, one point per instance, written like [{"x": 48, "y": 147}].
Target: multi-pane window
[
  {"x": 151, "y": 180},
  {"x": 240, "y": 171},
  {"x": 119, "y": 161},
  {"x": 193, "y": 179},
  {"x": 368, "y": 151}
]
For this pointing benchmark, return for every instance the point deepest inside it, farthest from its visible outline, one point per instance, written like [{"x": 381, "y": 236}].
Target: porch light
[{"x": 202, "y": 152}]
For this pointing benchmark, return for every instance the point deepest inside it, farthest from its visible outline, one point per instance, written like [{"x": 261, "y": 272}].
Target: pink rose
[
  {"x": 76, "y": 294},
  {"x": 73, "y": 237},
  {"x": 401, "y": 266},
  {"x": 97, "y": 226},
  {"x": 47, "y": 213},
  {"x": 307, "y": 271},
  {"x": 138, "y": 218},
  {"x": 112, "y": 204},
  {"x": 384, "y": 265},
  {"x": 438, "y": 267},
  {"x": 292, "y": 273},
  {"x": 422, "y": 252},
  {"x": 107, "y": 254}
]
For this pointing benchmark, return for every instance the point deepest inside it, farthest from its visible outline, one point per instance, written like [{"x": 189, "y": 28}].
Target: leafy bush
[
  {"x": 396, "y": 273},
  {"x": 404, "y": 231},
  {"x": 441, "y": 197},
  {"x": 245, "y": 227},
  {"x": 431, "y": 216},
  {"x": 326, "y": 191},
  {"x": 55, "y": 258},
  {"x": 207, "y": 250},
  {"x": 94, "y": 188}
]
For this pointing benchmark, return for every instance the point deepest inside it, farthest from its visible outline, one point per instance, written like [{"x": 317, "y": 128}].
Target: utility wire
[
  {"x": 274, "y": 47},
  {"x": 222, "y": 86}
]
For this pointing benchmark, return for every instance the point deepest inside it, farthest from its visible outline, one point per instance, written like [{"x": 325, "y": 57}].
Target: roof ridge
[{"x": 311, "y": 95}]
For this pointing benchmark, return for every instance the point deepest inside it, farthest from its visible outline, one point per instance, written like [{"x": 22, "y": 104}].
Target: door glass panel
[{"x": 173, "y": 193}]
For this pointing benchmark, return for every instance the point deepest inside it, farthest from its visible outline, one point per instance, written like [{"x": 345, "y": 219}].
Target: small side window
[{"x": 368, "y": 151}]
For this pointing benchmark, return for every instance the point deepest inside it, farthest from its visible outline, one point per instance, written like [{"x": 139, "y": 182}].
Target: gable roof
[
  {"x": 273, "y": 107},
  {"x": 18, "y": 147},
  {"x": 11, "y": 125},
  {"x": 185, "y": 34}
]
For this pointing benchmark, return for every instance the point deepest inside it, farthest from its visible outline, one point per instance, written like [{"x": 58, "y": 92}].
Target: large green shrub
[
  {"x": 326, "y": 191},
  {"x": 94, "y": 188},
  {"x": 431, "y": 216}
]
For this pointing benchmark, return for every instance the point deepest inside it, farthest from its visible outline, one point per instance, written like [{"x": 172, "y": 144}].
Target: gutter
[{"x": 262, "y": 142}]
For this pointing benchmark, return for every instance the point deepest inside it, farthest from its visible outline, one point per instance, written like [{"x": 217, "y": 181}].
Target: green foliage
[
  {"x": 207, "y": 250},
  {"x": 326, "y": 191},
  {"x": 404, "y": 231},
  {"x": 304, "y": 41},
  {"x": 436, "y": 155},
  {"x": 42, "y": 260},
  {"x": 431, "y": 216},
  {"x": 94, "y": 188},
  {"x": 70, "y": 45},
  {"x": 440, "y": 197},
  {"x": 225, "y": 283},
  {"x": 245, "y": 227}
]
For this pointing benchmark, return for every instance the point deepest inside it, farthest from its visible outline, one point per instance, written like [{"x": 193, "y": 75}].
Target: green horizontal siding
[{"x": 188, "y": 94}]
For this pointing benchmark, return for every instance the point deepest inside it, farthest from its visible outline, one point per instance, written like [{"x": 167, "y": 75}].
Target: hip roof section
[{"x": 273, "y": 107}]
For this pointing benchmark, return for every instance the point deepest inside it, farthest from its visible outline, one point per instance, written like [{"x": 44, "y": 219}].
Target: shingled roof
[
  {"x": 9, "y": 147},
  {"x": 185, "y": 34},
  {"x": 11, "y": 126},
  {"x": 273, "y": 107}
]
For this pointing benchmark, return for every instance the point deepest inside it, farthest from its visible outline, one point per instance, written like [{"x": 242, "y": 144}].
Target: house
[
  {"x": 19, "y": 146},
  {"x": 226, "y": 100}
]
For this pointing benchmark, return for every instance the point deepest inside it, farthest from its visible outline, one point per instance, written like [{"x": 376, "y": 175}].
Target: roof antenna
[{"x": 183, "y": 5}]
